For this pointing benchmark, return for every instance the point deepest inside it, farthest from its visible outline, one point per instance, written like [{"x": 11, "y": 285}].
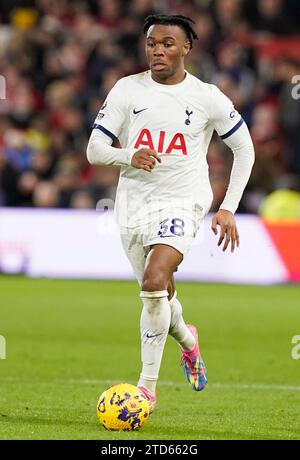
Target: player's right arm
[
  {"x": 107, "y": 127},
  {"x": 100, "y": 152}
]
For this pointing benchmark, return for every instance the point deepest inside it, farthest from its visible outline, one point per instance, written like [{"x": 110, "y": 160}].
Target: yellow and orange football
[{"x": 123, "y": 407}]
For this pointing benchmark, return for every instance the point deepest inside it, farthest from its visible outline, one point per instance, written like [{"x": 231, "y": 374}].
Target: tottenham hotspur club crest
[{"x": 188, "y": 121}]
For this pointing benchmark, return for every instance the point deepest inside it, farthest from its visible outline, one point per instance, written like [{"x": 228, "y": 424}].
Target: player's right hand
[{"x": 145, "y": 159}]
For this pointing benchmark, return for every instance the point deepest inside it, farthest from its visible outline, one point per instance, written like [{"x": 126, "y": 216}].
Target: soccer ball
[{"x": 123, "y": 407}]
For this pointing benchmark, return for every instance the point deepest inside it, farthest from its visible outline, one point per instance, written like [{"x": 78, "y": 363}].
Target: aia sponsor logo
[{"x": 177, "y": 143}]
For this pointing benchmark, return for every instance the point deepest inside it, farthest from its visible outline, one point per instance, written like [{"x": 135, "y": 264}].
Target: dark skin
[{"x": 166, "y": 48}]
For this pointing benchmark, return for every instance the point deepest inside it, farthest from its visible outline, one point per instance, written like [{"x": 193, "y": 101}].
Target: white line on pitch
[{"x": 216, "y": 385}]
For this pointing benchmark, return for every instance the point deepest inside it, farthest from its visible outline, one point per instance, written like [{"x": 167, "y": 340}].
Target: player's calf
[{"x": 155, "y": 324}]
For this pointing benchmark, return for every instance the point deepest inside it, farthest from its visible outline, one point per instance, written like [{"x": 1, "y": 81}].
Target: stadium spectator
[
  {"x": 8, "y": 182},
  {"x": 281, "y": 205},
  {"x": 290, "y": 113},
  {"x": 46, "y": 195},
  {"x": 273, "y": 17},
  {"x": 82, "y": 199}
]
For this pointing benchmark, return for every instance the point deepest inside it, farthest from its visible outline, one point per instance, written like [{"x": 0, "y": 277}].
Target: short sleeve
[
  {"x": 224, "y": 118},
  {"x": 111, "y": 116}
]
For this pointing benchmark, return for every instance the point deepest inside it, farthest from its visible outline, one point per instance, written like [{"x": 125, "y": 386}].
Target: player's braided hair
[{"x": 172, "y": 19}]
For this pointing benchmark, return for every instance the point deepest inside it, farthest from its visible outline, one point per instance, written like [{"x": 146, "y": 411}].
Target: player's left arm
[
  {"x": 243, "y": 158},
  {"x": 234, "y": 131}
]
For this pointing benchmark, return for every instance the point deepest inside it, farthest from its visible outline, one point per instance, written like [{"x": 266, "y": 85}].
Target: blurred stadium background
[{"x": 59, "y": 59}]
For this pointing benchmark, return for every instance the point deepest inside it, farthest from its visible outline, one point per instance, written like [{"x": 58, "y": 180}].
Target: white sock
[
  {"x": 155, "y": 324},
  {"x": 178, "y": 329}
]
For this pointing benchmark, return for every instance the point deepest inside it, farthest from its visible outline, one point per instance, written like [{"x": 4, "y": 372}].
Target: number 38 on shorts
[{"x": 171, "y": 228}]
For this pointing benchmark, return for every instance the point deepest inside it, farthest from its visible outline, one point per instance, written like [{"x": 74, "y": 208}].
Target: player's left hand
[{"x": 226, "y": 220}]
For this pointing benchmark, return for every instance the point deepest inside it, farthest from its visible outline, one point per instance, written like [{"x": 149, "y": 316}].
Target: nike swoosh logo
[
  {"x": 139, "y": 111},
  {"x": 151, "y": 336}
]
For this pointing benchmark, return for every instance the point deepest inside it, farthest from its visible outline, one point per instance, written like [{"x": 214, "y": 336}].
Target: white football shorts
[{"x": 174, "y": 226}]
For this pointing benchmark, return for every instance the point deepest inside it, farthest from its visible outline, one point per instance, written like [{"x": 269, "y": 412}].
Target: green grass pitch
[{"x": 68, "y": 340}]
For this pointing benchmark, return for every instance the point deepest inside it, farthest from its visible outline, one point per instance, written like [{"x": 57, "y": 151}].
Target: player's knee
[{"x": 154, "y": 282}]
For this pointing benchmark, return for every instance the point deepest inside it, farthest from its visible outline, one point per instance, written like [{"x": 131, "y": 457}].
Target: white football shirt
[{"x": 178, "y": 122}]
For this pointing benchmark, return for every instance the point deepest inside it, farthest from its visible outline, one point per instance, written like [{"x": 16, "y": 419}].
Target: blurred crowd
[{"x": 61, "y": 57}]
